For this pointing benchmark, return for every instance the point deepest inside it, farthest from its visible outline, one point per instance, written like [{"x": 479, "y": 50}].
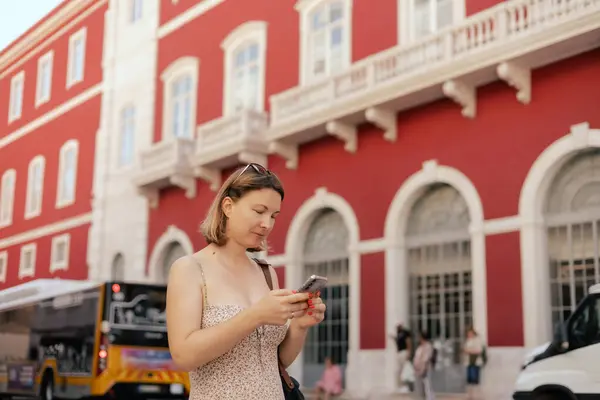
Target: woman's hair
[{"x": 243, "y": 180}]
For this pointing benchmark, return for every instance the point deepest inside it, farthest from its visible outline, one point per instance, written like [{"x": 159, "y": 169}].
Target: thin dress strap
[{"x": 204, "y": 289}]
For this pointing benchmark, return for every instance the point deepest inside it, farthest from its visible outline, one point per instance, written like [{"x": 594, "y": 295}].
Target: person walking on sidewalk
[
  {"x": 423, "y": 364},
  {"x": 403, "y": 341}
]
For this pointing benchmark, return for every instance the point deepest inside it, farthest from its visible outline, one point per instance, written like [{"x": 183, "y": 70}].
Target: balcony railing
[
  {"x": 167, "y": 163},
  {"x": 228, "y": 141},
  {"x": 505, "y": 42}
]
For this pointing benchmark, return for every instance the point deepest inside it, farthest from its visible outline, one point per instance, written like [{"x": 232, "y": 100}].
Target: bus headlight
[{"x": 176, "y": 388}]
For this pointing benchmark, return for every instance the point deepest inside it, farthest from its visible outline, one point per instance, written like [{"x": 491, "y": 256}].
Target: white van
[{"x": 568, "y": 368}]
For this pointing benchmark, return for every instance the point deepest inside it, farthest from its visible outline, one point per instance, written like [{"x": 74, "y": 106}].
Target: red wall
[
  {"x": 495, "y": 151},
  {"x": 78, "y": 268},
  {"x": 92, "y": 75},
  {"x": 80, "y": 123}
]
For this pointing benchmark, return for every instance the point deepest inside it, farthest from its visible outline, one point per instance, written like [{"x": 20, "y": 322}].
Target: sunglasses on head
[{"x": 259, "y": 169}]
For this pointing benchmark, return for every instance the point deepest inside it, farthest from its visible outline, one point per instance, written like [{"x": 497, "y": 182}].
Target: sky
[{"x": 16, "y": 16}]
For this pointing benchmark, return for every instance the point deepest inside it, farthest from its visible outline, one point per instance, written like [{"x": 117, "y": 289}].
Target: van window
[{"x": 584, "y": 326}]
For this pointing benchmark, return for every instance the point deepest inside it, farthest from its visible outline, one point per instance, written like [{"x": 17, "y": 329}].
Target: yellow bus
[{"x": 74, "y": 339}]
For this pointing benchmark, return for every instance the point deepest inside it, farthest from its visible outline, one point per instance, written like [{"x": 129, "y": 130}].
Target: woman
[
  {"x": 224, "y": 324},
  {"x": 473, "y": 349},
  {"x": 331, "y": 381}
]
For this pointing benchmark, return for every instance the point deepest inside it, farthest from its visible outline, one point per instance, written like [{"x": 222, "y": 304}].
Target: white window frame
[
  {"x": 127, "y": 124},
  {"x": 3, "y": 265},
  {"x": 61, "y": 264},
  {"x": 70, "y": 145},
  {"x": 45, "y": 60},
  {"x": 135, "y": 10},
  {"x": 31, "y": 212},
  {"x": 7, "y": 197},
  {"x": 178, "y": 69},
  {"x": 406, "y": 20},
  {"x": 79, "y": 35},
  {"x": 26, "y": 271},
  {"x": 15, "y": 108},
  {"x": 251, "y": 32},
  {"x": 305, "y": 8}
]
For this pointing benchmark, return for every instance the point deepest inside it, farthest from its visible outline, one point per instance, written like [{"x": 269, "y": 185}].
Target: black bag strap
[{"x": 267, "y": 272}]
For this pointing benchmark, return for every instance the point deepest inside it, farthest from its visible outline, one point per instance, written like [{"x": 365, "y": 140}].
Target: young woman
[{"x": 225, "y": 326}]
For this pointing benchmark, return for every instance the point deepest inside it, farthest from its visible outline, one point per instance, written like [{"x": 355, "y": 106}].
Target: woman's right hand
[{"x": 278, "y": 306}]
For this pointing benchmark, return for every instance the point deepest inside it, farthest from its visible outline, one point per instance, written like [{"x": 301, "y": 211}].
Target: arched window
[
  {"x": 180, "y": 80},
  {"x": 67, "y": 174},
  {"x": 245, "y": 49},
  {"x": 7, "y": 196},
  {"x": 35, "y": 187}
]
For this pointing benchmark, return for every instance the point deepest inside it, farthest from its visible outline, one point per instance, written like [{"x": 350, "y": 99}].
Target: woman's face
[{"x": 252, "y": 217}]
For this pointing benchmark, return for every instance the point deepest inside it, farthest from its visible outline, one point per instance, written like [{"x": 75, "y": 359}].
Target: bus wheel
[{"x": 47, "y": 387}]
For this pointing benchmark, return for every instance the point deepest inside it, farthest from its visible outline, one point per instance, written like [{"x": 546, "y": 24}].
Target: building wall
[
  {"x": 70, "y": 115},
  {"x": 120, "y": 213}
]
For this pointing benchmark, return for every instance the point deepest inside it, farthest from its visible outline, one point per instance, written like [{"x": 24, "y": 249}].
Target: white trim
[
  {"x": 294, "y": 245},
  {"x": 3, "y": 265},
  {"x": 247, "y": 33},
  {"x": 192, "y": 13},
  {"x": 396, "y": 271},
  {"x": 502, "y": 225},
  {"x": 46, "y": 230},
  {"x": 33, "y": 206},
  {"x": 40, "y": 97},
  {"x": 77, "y": 36},
  {"x": 9, "y": 197},
  {"x": 172, "y": 234},
  {"x": 178, "y": 68},
  {"x": 406, "y": 18},
  {"x": 305, "y": 7},
  {"x": 70, "y": 145},
  {"x": 27, "y": 271},
  {"x": 29, "y": 45},
  {"x": 15, "y": 112},
  {"x": 51, "y": 115},
  {"x": 534, "y": 254},
  {"x": 62, "y": 264}
]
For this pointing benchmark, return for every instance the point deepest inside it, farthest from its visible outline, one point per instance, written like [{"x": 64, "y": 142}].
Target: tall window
[
  {"x": 44, "y": 78},
  {"x": 3, "y": 265},
  {"x": 7, "y": 196},
  {"x": 245, "y": 67},
  {"x": 127, "y": 137},
  {"x": 67, "y": 174},
  {"x": 60, "y": 252},
  {"x": 180, "y": 84},
  {"x": 136, "y": 10},
  {"x": 76, "y": 66},
  {"x": 15, "y": 107},
  {"x": 420, "y": 18},
  {"x": 35, "y": 187},
  {"x": 326, "y": 38}
]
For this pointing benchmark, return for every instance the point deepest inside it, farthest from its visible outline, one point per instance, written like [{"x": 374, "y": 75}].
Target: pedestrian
[
  {"x": 402, "y": 339},
  {"x": 224, "y": 324},
  {"x": 474, "y": 350},
  {"x": 423, "y": 365}
]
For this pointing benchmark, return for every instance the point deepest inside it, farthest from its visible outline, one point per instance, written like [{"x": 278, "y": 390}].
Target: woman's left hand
[{"x": 314, "y": 314}]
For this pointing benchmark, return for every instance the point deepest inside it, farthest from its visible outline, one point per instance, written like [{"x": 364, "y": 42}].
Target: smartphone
[{"x": 313, "y": 284}]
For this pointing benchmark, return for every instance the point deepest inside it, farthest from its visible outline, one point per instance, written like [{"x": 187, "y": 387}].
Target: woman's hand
[
  {"x": 278, "y": 306},
  {"x": 313, "y": 314}
]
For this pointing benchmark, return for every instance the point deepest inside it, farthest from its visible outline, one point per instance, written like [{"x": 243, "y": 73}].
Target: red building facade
[
  {"x": 419, "y": 163},
  {"x": 50, "y": 94},
  {"x": 439, "y": 160}
]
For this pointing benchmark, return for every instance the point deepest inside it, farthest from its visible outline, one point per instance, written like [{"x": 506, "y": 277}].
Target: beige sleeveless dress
[{"x": 249, "y": 371}]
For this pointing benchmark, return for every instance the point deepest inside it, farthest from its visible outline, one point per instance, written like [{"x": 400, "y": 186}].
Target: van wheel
[{"x": 47, "y": 387}]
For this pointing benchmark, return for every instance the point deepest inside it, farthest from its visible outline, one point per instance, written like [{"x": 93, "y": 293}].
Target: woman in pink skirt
[{"x": 331, "y": 381}]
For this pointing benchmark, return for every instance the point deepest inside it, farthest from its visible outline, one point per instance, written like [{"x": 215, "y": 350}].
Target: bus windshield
[{"x": 136, "y": 314}]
